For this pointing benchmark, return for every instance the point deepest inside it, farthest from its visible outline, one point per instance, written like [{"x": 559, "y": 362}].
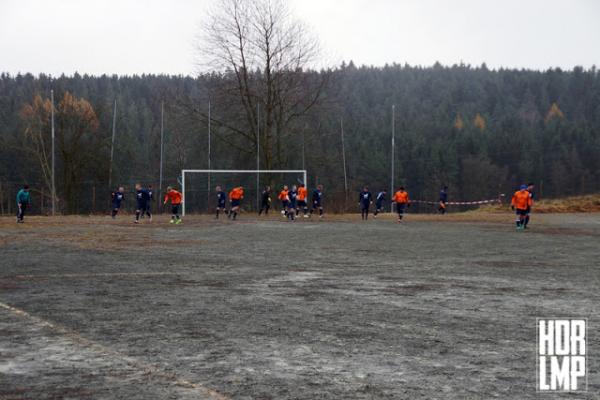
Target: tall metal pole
[
  {"x": 209, "y": 155},
  {"x": 112, "y": 145},
  {"x": 53, "y": 153},
  {"x": 258, "y": 156},
  {"x": 162, "y": 147},
  {"x": 393, "y": 154},
  {"x": 303, "y": 151},
  {"x": 344, "y": 161}
]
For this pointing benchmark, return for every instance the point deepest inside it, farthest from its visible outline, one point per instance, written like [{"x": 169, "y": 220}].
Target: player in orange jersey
[
  {"x": 402, "y": 202},
  {"x": 235, "y": 197},
  {"x": 521, "y": 202},
  {"x": 175, "y": 197},
  {"x": 285, "y": 200},
  {"x": 302, "y": 196}
]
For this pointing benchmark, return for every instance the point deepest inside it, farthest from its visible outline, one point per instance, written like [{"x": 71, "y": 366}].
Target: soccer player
[
  {"x": 117, "y": 197},
  {"x": 365, "y": 199},
  {"x": 302, "y": 195},
  {"x": 149, "y": 203},
  {"x": 23, "y": 201},
  {"x": 531, "y": 190},
  {"x": 402, "y": 201},
  {"x": 235, "y": 197},
  {"x": 285, "y": 199},
  {"x": 221, "y": 200},
  {"x": 443, "y": 200},
  {"x": 265, "y": 200},
  {"x": 379, "y": 200},
  {"x": 317, "y": 196},
  {"x": 521, "y": 201},
  {"x": 292, "y": 204},
  {"x": 142, "y": 197},
  {"x": 175, "y": 197}
]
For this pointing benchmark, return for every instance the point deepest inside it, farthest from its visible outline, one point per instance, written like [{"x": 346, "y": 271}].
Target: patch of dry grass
[{"x": 575, "y": 204}]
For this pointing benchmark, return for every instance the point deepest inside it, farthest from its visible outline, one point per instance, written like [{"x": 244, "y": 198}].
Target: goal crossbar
[{"x": 237, "y": 171}]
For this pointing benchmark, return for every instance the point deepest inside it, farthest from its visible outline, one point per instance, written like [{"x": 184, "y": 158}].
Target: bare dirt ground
[{"x": 436, "y": 308}]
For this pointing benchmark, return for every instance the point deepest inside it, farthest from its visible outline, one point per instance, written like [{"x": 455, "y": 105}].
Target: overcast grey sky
[{"x": 157, "y": 36}]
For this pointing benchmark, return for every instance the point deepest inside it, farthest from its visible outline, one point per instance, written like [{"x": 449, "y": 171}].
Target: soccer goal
[{"x": 197, "y": 184}]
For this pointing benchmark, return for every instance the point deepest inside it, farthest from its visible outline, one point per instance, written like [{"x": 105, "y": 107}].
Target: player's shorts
[
  {"x": 379, "y": 206},
  {"x": 116, "y": 206},
  {"x": 221, "y": 204},
  {"x": 175, "y": 209},
  {"x": 302, "y": 203},
  {"x": 316, "y": 204},
  {"x": 141, "y": 205},
  {"x": 528, "y": 210},
  {"x": 522, "y": 212},
  {"x": 400, "y": 208},
  {"x": 292, "y": 205},
  {"x": 285, "y": 204},
  {"x": 235, "y": 203},
  {"x": 364, "y": 206}
]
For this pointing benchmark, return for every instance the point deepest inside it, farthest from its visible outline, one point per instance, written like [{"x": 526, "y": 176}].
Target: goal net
[{"x": 199, "y": 194}]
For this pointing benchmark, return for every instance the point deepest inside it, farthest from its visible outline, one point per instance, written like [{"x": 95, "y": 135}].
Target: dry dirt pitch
[{"x": 437, "y": 308}]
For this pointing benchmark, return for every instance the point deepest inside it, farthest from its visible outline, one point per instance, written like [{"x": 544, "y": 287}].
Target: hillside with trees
[{"x": 479, "y": 131}]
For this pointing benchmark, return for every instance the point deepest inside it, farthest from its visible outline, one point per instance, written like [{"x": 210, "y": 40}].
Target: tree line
[{"x": 477, "y": 130}]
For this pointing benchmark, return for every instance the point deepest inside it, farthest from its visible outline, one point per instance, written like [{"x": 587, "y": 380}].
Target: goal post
[{"x": 236, "y": 171}]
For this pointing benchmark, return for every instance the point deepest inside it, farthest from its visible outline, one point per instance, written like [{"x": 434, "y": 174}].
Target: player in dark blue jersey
[
  {"x": 116, "y": 199},
  {"x": 142, "y": 197},
  {"x": 317, "y": 201},
  {"x": 292, "y": 203},
  {"x": 221, "y": 201},
  {"x": 443, "y": 200},
  {"x": 148, "y": 210},
  {"x": 379, "y": 202},
  {"x": 265, "y": 201},
  {"x": 365, "y": 199},
  {"x": 531, "y": 190}
]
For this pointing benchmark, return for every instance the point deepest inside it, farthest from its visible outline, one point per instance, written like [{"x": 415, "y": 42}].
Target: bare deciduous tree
[{"x": 261, "y": 54}]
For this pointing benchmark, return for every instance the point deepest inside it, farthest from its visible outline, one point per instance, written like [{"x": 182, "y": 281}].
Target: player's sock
[
  {"x": 217, "y": 216},
  {"x": 321, "y": 212},
  {"x": 137, "y": 215},
  {"x": 114, "y": 213},
  {"x": 234, "y": 214}
]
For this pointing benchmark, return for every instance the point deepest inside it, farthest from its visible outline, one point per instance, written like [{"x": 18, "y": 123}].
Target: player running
[
  {"x": 142, "y": 198},
  {"x": 175, "y": 198},
  {"x": 402, "y": 202},
  {"x": 521, "y": 201},
  {"x": 365, "y": 199},
  {"x": 221, "y": 201},
  {"x": 285, "y": 199},
  {"x": 443, "y": 200},
  {"x": 293, "y": 203},
  {"x": 302, "y": 197},
  {"x": 531, "y": 190},
  {"x": 317, "y": 196},
  {"x": 23, "y": 202},
  {"x": 265, "y": 200},
  {"x": 116, "y": 199},
  {"x": 379, "y": 201},
  {"x": 235, "y": 197}
]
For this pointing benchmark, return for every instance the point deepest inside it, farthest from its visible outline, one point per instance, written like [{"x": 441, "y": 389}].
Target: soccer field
[{"x": 437, "y": 307}]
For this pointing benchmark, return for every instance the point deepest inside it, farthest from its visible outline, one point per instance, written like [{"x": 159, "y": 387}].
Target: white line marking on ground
[{"x": 108, "y": 352}]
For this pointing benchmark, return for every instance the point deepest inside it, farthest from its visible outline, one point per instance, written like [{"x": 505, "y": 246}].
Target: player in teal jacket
[{"x": 23, "y": 201}]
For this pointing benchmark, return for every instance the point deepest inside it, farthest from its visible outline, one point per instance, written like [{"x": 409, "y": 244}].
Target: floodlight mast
[{"x": 236, "y": 171}]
